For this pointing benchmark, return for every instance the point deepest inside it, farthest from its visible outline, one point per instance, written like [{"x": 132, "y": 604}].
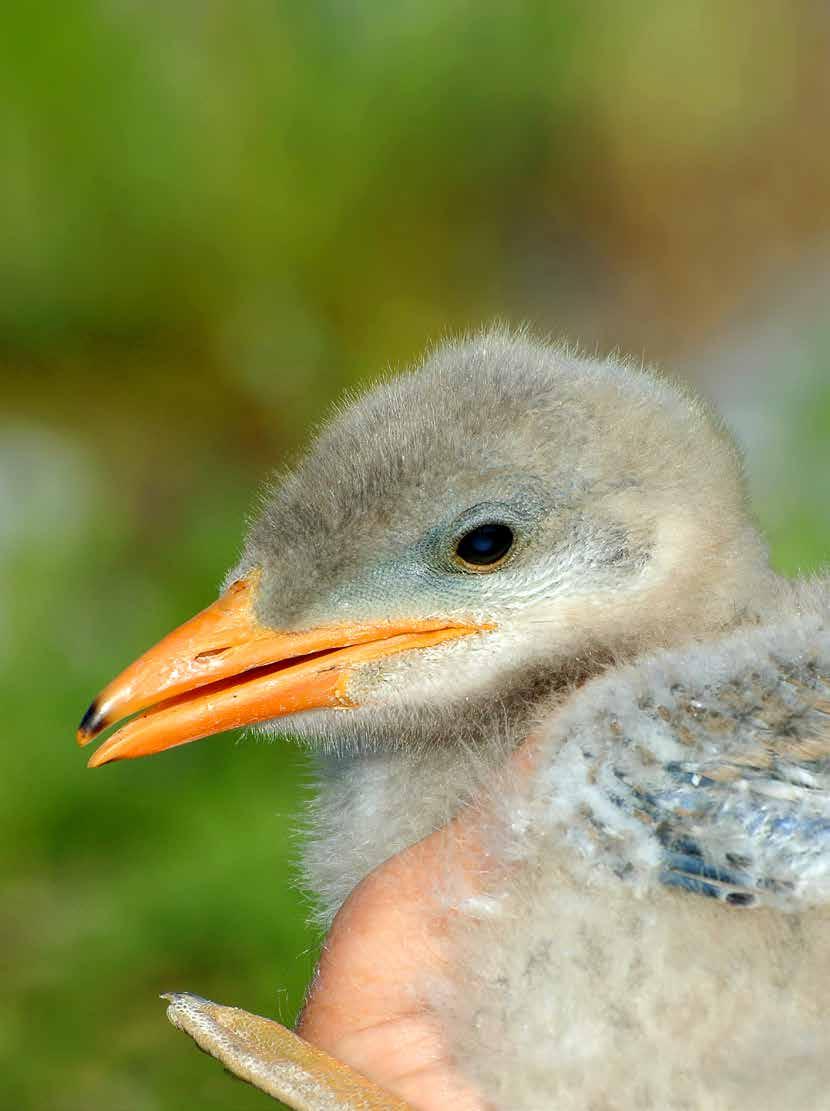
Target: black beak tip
[{"x": 91, "y": 723}]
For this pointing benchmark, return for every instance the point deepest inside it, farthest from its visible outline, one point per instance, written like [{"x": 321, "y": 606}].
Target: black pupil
[{"x": 485, "y": 545}]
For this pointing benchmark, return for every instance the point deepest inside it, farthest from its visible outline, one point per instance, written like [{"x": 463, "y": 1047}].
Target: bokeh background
[{"x": 214, "y": 217}]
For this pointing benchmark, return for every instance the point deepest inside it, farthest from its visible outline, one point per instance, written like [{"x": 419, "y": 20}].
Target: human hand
[{"x": 390, "y": 936}]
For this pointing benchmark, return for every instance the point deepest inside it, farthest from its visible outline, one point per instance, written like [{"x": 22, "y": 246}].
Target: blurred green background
[{"x": 214, "y": 217}]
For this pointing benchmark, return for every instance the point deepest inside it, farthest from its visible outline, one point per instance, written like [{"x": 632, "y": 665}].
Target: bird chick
[
  {"x": 623, "y": 509},
  {"x": 513, "y": 540}
]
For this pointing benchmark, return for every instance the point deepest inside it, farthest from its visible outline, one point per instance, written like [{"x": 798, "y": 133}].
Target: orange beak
[{"x": 223, "y": 669}]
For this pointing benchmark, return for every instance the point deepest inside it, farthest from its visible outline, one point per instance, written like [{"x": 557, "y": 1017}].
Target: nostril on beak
[{"x": 210, "y": 653}]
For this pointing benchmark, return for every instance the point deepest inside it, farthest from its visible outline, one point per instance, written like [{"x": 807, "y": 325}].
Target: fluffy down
[{"x": 585, "y": 981}]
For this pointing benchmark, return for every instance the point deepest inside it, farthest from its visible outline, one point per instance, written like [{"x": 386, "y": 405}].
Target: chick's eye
[{"x": 485, "y": 545}]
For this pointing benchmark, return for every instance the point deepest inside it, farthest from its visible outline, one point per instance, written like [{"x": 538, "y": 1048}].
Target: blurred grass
[
  {"x": 794, "y": 511},
  {"x": 119, "y": 886},
  {"x": 213, "y": 219}
]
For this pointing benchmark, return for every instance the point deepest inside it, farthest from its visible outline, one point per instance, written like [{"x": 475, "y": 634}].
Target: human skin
[{"x": 390, "y": 935}]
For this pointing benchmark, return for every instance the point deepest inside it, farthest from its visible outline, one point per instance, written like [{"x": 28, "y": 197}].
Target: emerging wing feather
[{"x": 708, "y": 770}]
